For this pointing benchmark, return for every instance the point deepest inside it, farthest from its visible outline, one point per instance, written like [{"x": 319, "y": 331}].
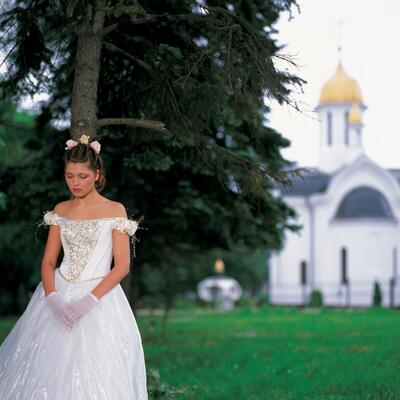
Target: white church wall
[
  {"x": 369, "y": 252},
  {"x": 333, "y": 152},
  {"x": 369, "y": 243},
  {"x": 285, "y": 267}
]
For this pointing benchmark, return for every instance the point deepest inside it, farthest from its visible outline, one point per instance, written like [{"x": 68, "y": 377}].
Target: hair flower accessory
[
  {"x": 95, "y": 145},
  {"x": 70, "y": 144},
  {"x": 84, "y": 139}
]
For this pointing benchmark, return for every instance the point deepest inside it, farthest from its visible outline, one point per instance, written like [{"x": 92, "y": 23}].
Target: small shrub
[
  {"x": 262, "y": 300},
  {"x": 377, "y": 296},
  {"x": 157, "y": 389},
  {"x": 246, "y": 301},
  {"x": 316, "y": 299}
]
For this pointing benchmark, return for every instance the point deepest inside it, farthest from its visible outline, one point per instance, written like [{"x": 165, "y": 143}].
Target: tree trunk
[{"x": 87, "y": 68}]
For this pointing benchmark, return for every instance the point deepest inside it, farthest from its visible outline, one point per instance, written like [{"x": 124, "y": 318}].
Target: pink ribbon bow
[
  {"x": 70, "y": 144},
  {"x": 95, "y": 145}
]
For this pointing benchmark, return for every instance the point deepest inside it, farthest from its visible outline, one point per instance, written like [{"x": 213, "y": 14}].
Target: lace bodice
[{"x": 87, "y": 243}]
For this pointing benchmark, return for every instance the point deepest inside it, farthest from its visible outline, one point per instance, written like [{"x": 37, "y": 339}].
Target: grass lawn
[{"x": 274, "y": 353}]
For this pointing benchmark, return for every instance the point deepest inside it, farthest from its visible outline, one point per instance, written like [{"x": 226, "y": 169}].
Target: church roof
[
  {"x": 395, "y": 173},
  {"x": 315, "y": 181},
  {"x": 312, "y": 181}
]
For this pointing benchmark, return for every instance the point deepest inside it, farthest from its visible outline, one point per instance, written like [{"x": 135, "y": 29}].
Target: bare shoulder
[
  {"x": 117, "y": 209},
  {"x": 62, "y": 207}
]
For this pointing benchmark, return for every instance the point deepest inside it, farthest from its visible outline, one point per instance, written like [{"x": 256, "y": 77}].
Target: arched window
[
  {"x": 364, "y": 202},
  {"x": 329, "y": 120},
  {"x": 346, "y": 128},
  {"x": 303, "y": 273},
  {"x": 343, "y": 266}
]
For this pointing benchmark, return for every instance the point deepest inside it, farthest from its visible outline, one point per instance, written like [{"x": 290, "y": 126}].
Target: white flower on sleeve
[
  {"x": 50, "y": 218},
  {"x": 126, "y": 225}
]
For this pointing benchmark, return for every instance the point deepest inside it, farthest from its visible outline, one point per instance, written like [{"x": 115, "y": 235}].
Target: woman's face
[{"x": 80, "y": 178}]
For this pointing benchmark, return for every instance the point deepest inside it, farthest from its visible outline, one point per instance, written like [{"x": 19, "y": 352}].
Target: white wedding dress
[{"x": 101, "y": 357}]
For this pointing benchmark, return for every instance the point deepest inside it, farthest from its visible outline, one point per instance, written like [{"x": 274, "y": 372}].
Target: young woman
[{"x": 78, "y": 338}]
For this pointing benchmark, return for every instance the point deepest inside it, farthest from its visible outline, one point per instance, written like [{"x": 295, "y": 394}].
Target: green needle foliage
[{"x": 177, "y": 92}]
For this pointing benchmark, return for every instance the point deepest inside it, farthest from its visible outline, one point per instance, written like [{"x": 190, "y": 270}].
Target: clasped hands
[{"x": 68, "y": 313}]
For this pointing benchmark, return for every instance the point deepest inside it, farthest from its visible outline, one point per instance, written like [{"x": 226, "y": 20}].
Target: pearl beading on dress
[{"x": 81, "y": 236}]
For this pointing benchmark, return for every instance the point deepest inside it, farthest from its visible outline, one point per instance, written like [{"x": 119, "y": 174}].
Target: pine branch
[
  {"x": 235, "y": 159},
  {"x": 134, "y": 21},
  {"x": 152, "y": 18},
  {"x": 5, "y": 59},
  {"x": 205, "y": 146},
  {"x": 140, "y": 123},
  {"x": 108, "y": 29},
  {"x": 141, "y": 63}
]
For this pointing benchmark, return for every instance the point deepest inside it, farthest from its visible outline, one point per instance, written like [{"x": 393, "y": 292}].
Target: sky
[{"x": 368, "y": 33}]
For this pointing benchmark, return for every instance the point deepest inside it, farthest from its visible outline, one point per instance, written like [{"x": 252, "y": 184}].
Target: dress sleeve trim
[
  {"x": 128, "y": 226},
  {"x": 125, "y": 225},
  {"x": 50, "y": 218}
]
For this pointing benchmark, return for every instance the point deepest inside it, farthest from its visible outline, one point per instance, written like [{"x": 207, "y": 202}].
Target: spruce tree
[{"x": 178, "y": 94}]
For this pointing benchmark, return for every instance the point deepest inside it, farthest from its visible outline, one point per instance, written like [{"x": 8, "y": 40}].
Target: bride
[{"x": 78, "y": 338}]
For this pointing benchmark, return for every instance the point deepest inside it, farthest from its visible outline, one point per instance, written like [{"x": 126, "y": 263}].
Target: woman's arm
[
  {"x": 121, "y": 252},
  {"x": 50, "y": 257}
]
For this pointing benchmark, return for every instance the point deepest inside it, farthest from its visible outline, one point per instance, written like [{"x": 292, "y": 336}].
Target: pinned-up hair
[{"x": 82, "y": 153}]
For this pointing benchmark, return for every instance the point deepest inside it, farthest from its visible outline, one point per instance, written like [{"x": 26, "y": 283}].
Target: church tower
[{"x": 340, "y": 111}]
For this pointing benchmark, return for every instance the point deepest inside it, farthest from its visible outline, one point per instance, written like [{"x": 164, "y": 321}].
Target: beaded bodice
[{"x": 87, "y": 243}]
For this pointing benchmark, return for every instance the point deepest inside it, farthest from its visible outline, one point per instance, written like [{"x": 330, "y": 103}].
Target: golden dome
[
  {"x": 340, "y": 88},
  {"x": 355, "y": 116}
]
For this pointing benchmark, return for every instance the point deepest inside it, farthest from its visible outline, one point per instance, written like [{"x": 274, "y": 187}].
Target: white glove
[
  {"x": 59, "y": 307},
  {"x": 77, "y": 308}
]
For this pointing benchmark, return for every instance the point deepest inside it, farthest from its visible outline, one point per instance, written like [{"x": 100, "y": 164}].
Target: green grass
[{"x": 274, "y": 353}]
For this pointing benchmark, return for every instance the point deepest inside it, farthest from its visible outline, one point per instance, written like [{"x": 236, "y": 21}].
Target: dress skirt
[{"x": 100, "y": 358}]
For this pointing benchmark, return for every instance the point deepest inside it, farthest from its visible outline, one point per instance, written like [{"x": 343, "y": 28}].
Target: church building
[{"x": 349, "y": 209}]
